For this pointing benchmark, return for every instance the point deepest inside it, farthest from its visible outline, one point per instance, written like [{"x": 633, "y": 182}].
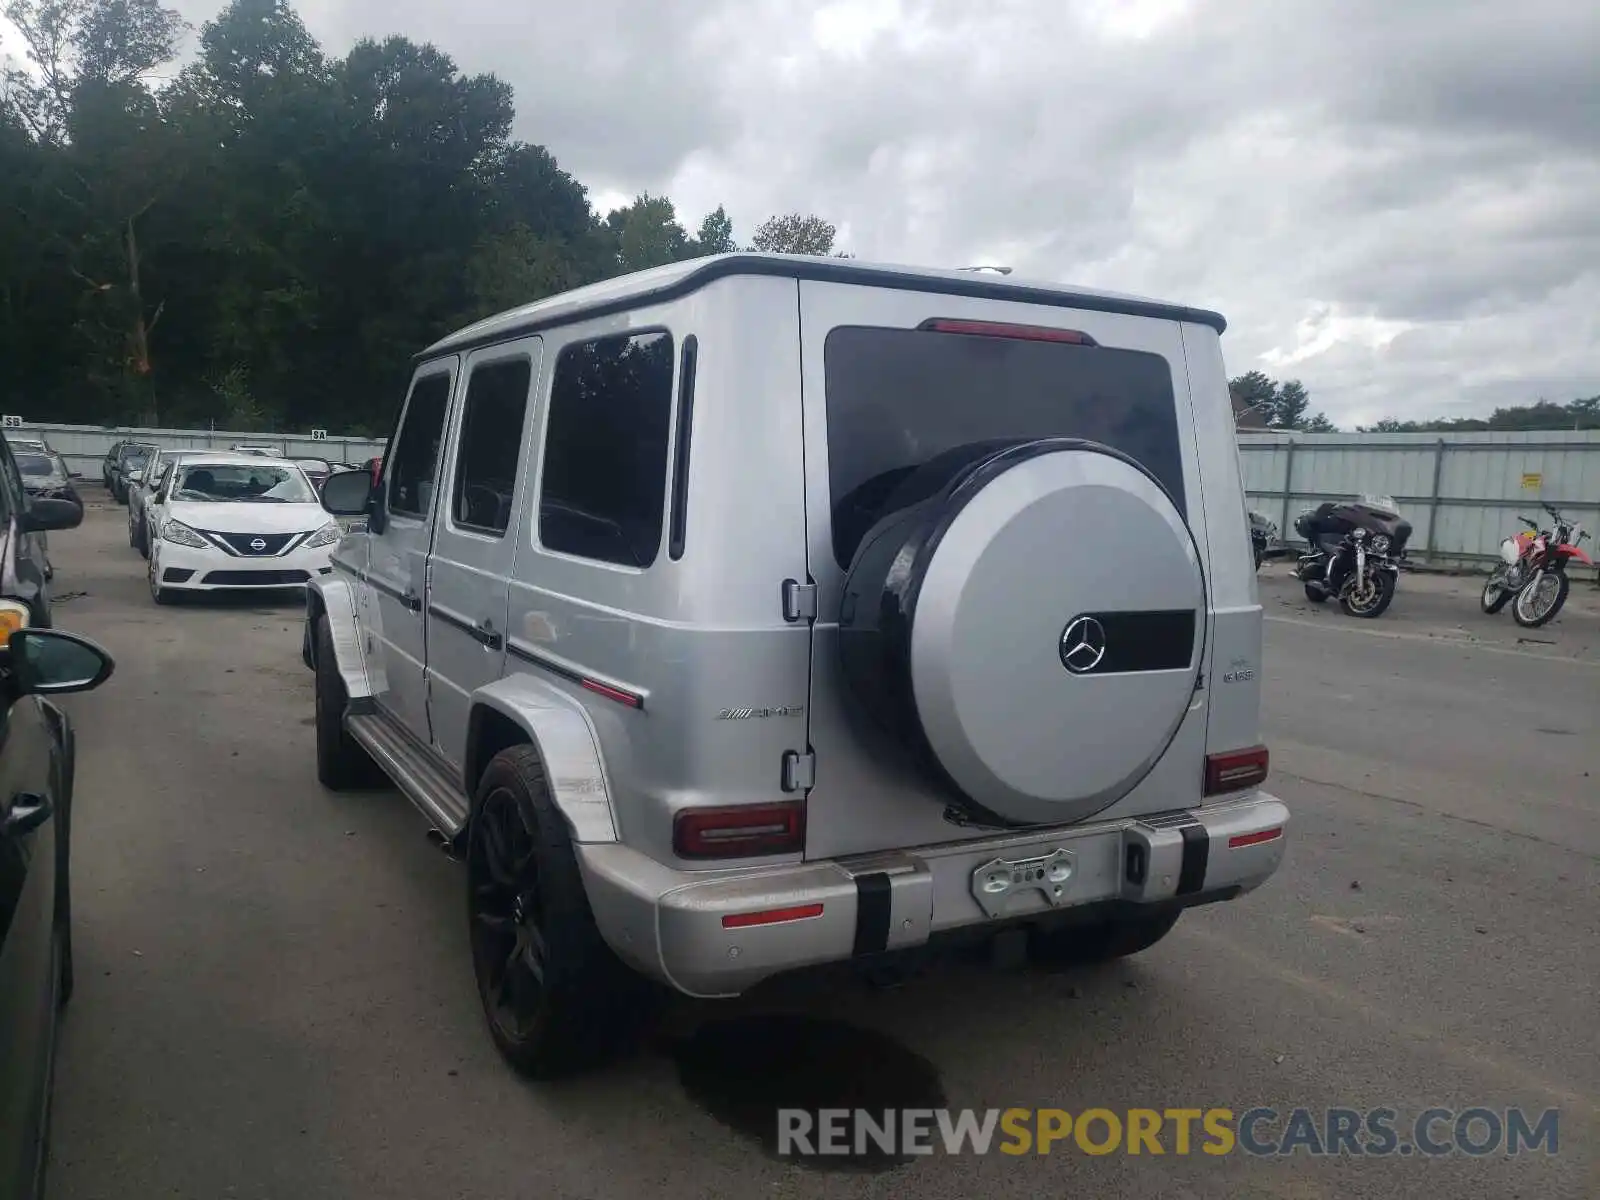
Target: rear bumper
[{"x": 671, "y": 924}]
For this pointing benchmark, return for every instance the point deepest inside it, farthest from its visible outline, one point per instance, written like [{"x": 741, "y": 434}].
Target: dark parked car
[
  {"x": 24, "y": 520},
  {"x": 36, "y": 777},
  {"x": 109, "y": 462},
  {"x": 46, "y": 477},
  {"x": 132, "y": 457}
]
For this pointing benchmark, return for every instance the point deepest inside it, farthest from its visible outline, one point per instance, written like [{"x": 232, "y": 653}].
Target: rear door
[
  {"x": 397, "y": 552},
  {"x": 476, "y": 539},
  {"x": 883, "y": 396}
]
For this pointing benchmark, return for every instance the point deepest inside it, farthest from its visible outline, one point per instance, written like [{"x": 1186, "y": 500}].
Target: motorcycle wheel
[
  {"x": 1371, "y": 603},
  {"x": 1522, "y": 611},
  {"x": 1495, "y": 594}
]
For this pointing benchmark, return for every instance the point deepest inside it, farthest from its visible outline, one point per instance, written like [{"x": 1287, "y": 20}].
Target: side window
[
  {"x": 416, "y": 457},
  {"x": 605, "y": 452},
  {"x": 490, "y": 445}
]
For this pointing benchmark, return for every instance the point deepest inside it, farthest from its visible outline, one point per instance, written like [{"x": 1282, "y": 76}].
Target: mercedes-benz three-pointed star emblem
[{"x": 1083, "y": 645}]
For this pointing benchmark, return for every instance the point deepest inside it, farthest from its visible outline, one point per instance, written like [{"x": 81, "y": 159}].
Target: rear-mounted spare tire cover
[{"x": 1030, "y": 624}]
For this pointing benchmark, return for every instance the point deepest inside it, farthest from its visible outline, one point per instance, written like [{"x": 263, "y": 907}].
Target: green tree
[
  {"x": 795, "y": 233},
  {"x": 1284, "y": 405},
  {"x": 647, "y": 233},
  {"x": 716, "y": 234}
]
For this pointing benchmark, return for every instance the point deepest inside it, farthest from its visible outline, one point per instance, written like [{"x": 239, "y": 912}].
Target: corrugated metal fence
[
  {"x": 83, "y": 446},
  {"x": 1462, "y": 492}
]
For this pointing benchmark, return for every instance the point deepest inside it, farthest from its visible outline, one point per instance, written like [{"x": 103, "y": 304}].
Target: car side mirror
[
  {"x": 347, "y": 493},
  {"x": 43, "y": 515},
  {"x": 47, "y": 662}
]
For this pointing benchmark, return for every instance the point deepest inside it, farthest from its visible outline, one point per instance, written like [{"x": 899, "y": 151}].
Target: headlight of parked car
[
  {"x": 180, "y": 534},
  {"x": 325, "y": 536}
]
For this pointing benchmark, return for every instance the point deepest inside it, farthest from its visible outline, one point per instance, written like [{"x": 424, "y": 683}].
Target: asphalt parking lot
[{"x": 274, "y": 997}]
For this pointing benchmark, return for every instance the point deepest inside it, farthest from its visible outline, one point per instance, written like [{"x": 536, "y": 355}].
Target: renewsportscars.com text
[{"x": 1375, "y": 1132}]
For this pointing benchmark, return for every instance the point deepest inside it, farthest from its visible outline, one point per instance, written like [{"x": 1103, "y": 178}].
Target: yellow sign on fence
[{"x": 1532, "y": 481}]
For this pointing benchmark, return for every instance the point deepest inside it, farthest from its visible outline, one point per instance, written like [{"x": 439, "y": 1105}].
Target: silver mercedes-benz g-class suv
[{"x": 758, "y": 612}]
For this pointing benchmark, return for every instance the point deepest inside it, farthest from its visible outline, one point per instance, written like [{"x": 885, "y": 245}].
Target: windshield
[
  {"x": 227, "y": 482},
  {"x": 35, "y": 464}
]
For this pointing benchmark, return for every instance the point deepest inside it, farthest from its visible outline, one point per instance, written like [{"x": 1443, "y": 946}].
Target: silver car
[{"x": 757, "y": 612}]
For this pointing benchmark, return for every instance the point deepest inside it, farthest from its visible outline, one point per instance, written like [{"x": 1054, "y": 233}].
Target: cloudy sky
[{"x": 1397, "y": 201}]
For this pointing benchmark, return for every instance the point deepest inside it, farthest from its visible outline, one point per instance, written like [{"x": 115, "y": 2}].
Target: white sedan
[{"x": 233, "y": 523}]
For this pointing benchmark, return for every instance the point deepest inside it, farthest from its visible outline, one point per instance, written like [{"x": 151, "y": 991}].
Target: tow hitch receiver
[{"x": 996, "y": 881}]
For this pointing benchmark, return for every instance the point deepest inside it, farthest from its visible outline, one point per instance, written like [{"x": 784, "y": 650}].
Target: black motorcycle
[{"x": 1354, "y": 548}]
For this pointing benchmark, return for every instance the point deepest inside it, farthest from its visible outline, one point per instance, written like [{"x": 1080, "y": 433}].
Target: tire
[
  {"x": 526, "y": 903},
  {"x": 342, "y": 765},
  {"x": 159, "y": 594},
  {"x": 1518, "y": 610},
  {"x": 1315, "y": 596},
  {"x": 1385, "y": 584},
  {"x": 143, "y": 544},
  {"x": 1492, "y": 586},
  {"x": 1084, "y": 945}
]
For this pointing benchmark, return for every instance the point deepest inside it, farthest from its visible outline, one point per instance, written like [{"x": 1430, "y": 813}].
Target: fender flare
[
  {"x": 334, "y": 598},
  {"x": 560, "y": 729}
]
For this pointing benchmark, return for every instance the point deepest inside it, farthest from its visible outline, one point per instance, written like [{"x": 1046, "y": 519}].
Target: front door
[
  {"x": 475, "y": 542},
  {"x": 27, "y": 944},
  {"x": 397, "y": 551}
]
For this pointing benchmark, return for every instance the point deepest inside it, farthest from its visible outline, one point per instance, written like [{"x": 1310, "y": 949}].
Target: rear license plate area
[{"x": 1000, "y": 884}]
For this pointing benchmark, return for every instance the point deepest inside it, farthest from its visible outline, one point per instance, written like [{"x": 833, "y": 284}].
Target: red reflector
[
  {"x": 613, "y": 693},
  {"x": 997, "y": 329},
  {"x": 737, "y": 832},
  {"x": 1236, "y": 770},
  {"x": 1254, "y": 839},
  {"x": 771, "y": 916}
]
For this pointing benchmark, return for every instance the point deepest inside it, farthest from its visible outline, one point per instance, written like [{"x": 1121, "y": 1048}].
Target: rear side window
[
  {"x": 896, "y": 398},
  {"x": 415, "y": 461},
  {"x": 490, "y": 445},
  {"x": 605, "y": 452}
]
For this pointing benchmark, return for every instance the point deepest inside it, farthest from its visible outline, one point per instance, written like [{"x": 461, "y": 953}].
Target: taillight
[
  {"x": 740, "y": 831},
  {"x": 1000, "y": 329},
  {"x": 1236, "y": 771}
]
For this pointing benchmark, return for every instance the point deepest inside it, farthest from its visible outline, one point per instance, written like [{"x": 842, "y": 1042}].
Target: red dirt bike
[{"x": 1533, "y": 571}]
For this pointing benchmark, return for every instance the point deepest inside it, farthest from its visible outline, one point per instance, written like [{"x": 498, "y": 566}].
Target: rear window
[{"x": 898, "y": 397}]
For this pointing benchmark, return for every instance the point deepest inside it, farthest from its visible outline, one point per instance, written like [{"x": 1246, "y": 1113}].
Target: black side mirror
[
  {"x": 49, "y": 661},
  {"x": 347, "y": 493},
  {"x": 43, "y": 515}
]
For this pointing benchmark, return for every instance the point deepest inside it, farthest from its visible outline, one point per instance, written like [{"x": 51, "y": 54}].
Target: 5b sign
[{"x": 11, "y": 421}]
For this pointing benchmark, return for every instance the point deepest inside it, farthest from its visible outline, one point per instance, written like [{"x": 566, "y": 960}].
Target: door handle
[
  {"x": 28, "y": 812},
  {"x": 486, "y": 634}
]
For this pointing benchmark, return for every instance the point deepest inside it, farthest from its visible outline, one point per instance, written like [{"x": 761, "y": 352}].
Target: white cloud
[{"x": 1397, "y": 203}]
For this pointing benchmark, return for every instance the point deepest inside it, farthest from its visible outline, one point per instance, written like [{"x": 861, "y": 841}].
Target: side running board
[{"x": 414, "y": 768}]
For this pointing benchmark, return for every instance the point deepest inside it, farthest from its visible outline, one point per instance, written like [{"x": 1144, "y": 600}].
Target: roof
[{"x": 660, "y": 284}]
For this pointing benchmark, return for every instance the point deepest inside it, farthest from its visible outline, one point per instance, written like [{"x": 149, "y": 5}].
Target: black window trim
[
  {"x": 450, "y": 367},
  {"x": 544, "y": 440},
  {"x": 490, "y": 357},
  {"x": 678, "y": 514}
]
